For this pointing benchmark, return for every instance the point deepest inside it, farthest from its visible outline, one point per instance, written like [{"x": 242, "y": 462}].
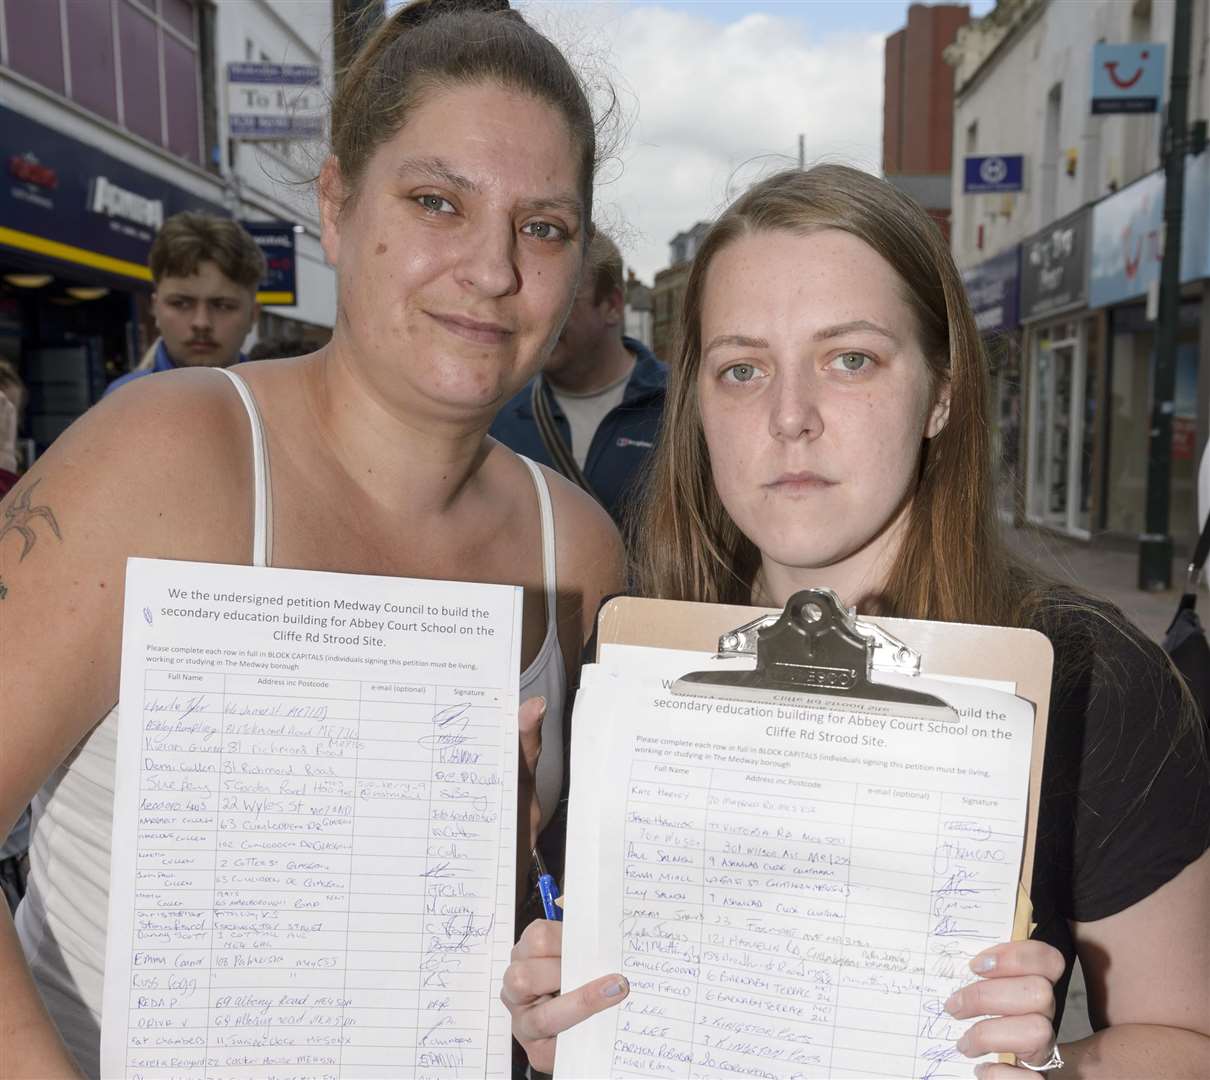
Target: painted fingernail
[
  {"x": 615, "y": 989},
  {"x": 983, "y": 964},
  {"x": 953, "y": 1003}
]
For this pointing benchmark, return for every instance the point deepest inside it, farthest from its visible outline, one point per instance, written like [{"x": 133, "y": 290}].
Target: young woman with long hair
[{"x": 827, "y": 425}]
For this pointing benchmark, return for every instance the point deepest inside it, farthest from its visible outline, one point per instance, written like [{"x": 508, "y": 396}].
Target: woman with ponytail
[{"x": 456, "y": 206}]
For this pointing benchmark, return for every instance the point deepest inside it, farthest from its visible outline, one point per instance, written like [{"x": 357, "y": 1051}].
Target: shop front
[
  {"x": 1125, "y": 269},
  {"x": 1063, "y": 350},
  {"x": 76, "y": 225},
  {"x": 992, "y": 289}
]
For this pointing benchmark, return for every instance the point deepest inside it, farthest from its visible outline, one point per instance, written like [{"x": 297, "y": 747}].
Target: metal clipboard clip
[{"x": 816, "y": 648}]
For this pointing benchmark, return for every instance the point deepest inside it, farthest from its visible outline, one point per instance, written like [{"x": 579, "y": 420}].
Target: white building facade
[
  {"x": 1059, "y": 272},
  {"x": 113, "y": 116}
]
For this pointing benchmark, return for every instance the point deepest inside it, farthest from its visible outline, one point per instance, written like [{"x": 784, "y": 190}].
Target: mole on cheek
[{"x": 380, "y": 249}]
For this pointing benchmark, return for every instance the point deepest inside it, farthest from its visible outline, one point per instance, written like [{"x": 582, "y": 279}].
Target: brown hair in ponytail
[{"x": 430, "y": 44}]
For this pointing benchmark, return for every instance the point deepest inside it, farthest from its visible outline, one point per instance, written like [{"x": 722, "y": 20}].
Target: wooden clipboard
[{"x": 1008, "y": 654}]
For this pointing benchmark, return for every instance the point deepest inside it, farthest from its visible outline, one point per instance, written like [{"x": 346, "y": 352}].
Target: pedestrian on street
[
  {"x": 594, "y": 411},
  {"x": 205, "y": 269}
]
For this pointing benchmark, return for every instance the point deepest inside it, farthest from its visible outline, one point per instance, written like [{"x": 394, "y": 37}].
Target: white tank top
[{"x": 62, "y": 920}]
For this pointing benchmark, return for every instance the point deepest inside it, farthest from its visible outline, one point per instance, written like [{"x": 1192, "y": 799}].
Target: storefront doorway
[
  {"x": 1132, "y": 367},
  {"x": 1062, "y": 400}
]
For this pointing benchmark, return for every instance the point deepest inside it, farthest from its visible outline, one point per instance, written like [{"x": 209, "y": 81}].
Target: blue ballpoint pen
[{"x": 548, "y": 890}]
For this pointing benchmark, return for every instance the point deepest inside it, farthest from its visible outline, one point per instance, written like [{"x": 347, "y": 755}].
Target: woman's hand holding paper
[
  {"x": 531, "y": 993},
  {"x": 1016, "y": 994}
]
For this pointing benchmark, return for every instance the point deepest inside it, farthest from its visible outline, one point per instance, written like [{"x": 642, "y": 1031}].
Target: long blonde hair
[{"x": 951, "y": 565}]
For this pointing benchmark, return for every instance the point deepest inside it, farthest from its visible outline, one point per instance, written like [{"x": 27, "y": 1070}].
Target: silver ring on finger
[{"x": 1055, "y": 1061}]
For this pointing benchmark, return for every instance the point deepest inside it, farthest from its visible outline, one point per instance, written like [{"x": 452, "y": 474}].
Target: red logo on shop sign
[
  {"x": 26, "y": 167},
  {"x": 1111, "y": 67}
]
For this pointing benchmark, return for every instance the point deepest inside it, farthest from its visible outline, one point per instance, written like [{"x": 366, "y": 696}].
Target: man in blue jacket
[
  {"x": 594, "y": 412},
  {"x": 206, "y": 270}
]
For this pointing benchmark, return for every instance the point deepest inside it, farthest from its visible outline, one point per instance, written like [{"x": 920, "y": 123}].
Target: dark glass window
[
  {"x": 146, "y": 80},
  {"x": 180, "y": 85},
  {"x": 138, "y": 37},
  {"x": 35, "y": 41},
  {"x": 90, "y": 35},
  {"x": 179, "y": 15}
]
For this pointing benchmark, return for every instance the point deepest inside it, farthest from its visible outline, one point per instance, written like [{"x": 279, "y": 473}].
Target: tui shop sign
[
  {"x": 1127, "y": 78},
  {"x": 1127, "y": 235}
]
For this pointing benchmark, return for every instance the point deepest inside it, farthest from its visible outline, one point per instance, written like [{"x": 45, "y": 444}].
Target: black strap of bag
[
  {"x": 560, "y": 453},
  {"x": 1188, "y": 601},
  {"x": 1200, "y": 552},
  {"x": 1185, "y": 642}
]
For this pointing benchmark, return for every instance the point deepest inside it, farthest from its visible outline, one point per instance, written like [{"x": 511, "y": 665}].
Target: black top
[{"x": 1125, "y": 802}]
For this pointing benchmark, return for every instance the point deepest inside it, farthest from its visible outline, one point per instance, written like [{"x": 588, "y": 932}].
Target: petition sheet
[
  {"x": 791, "y": 891},
  {"x": 314, "y": 826}
]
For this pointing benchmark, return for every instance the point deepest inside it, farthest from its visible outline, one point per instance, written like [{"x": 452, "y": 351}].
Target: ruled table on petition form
[
  {"x": 791, "y": 891},
  {"x": 322, "y": 877},
  {"x": 814, "y": 928}
]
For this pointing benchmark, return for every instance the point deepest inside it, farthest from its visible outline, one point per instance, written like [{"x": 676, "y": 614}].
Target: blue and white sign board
[
  {"x": 1127, "y": 236},
  {"x": 1127, "y": 78},
  {"x": 276, "y": 242},
  {"x": 993, "y": 288},
  {"x": 992, "y": 173},
  {"x": 274, "y": 101}
]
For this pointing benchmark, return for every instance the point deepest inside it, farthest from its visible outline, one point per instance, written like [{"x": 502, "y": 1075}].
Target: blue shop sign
[
  {"x": 1127, "y": 78},
  {"x": 992, "y": 290},
  {"x": 1127, "y": 227},
  {"x": 65, "y": 200},
  {"x": 992, "y": 173},
  {"x": 276, "y": 241}
]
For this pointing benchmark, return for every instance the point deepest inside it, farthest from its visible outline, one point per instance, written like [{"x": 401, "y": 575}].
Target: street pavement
[
  {"x": 1106, "y": 571},
  {"x": 1112, "y": 574}
]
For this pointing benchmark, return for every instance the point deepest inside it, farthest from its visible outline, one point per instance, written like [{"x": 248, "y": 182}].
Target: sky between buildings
[{"x": 713, "y": 94}]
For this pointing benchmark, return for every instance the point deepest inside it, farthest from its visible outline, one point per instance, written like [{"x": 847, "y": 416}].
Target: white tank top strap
[
  {"x": 549, "y": 571},
  {"x": 262, "y": 529}
]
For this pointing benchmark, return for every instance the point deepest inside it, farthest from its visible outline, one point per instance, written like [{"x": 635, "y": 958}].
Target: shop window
[
  {"x": 1131, "y": 372},
  {"x": 180, "y": 15},
  {"x": 140, "y": 72},
  {"x": 133, "y": 62},
  {"x": 35, "y": 42},
  {"x": 1061, "y": 430},
  {"x": 181, "y": 96},
  {"x": 93, "y": 64},
  {"x": 1050, "y": 153}
]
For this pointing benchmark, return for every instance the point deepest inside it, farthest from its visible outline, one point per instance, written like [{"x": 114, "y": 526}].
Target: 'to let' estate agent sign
[
  {"x": 274, "y": 101},
  {"x": 1127, "y": 78}
]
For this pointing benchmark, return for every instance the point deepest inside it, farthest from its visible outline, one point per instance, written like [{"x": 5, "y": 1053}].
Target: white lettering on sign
[{"x": 105, "y": 197}]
